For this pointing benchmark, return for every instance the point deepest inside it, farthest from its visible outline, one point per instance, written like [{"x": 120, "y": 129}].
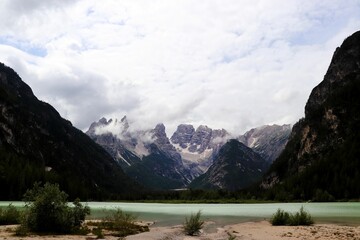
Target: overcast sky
[{"x": 233, "y": 64}]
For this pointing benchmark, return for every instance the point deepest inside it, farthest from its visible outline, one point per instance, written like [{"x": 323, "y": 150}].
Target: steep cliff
[{"x": 321, "y": 159}]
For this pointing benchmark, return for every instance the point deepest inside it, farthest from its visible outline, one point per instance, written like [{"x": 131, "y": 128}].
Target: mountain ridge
[
  {"x": 37, "y": 144},
  {"x": 235, "y": 167},
  {"x": 189, "y": 152},
  {"x": 321, "y": 158}
]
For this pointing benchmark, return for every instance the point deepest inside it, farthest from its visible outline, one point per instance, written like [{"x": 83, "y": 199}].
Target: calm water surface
[{"x": 221, "y": 214}]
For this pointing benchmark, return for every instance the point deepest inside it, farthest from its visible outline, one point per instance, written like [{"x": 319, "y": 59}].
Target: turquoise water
[{"x": 171, "y": 214}]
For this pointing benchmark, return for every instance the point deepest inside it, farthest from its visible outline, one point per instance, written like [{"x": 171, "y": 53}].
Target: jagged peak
[
  {"x": 124, "y": 119},
  {"x": 203, "y": 128},
  {"x": 160, "y": 127},
  {"x": 103, "y": 120}
]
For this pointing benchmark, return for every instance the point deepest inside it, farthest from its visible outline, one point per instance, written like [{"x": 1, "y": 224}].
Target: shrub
[
  {"x": 121, "y": 224},
  {"x": 193, "y": 225},
  {"x": 98, "y": 232},
  {"x": 9, "y": 215},
  {"x": 78, "y": 213},
  {"x": 284, "y": 218},
  {"x": 280, "y": 218},
  {"x": 301, "y": 218},
  {"x": 47, "y": 210}
]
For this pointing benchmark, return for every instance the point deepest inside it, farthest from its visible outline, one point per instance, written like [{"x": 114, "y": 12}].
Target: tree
[{"x": 47, "y": 210}]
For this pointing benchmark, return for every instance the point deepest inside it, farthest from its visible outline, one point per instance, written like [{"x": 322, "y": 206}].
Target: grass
[
  {"x": 9, "y": 215},
  {"x": 119, "y": 224},
  {"x": 301, "y": 218},
  {"x": 194, "y": 224}
]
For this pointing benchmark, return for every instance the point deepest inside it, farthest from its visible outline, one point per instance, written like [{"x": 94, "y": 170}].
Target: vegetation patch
[
  {"x": 9, "y": 215},
  {"x": 280, "y": 218},
  {"x": 119, "y": 224},
  {"x": 194, "y": 224},
  {"x": 301, "y": 218},
  {"x": 47, "y": 211}
]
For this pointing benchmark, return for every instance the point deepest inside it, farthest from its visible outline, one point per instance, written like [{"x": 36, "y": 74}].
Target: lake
[{"x": 171, "y": 214}]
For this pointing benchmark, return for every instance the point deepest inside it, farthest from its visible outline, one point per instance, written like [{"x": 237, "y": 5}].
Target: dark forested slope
[
  {"x": 236, "y": 166},
  {"x": 321, "y": 159},
  {"x": 36, "y": 144}
]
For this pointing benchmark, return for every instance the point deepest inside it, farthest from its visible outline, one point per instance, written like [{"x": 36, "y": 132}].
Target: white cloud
[{"x": 228, "y": 64}]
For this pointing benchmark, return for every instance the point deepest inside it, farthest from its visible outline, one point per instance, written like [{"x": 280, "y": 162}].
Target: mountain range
[
  {"x": 318, "y": 159},
  {"x": 154, "y": 160}
]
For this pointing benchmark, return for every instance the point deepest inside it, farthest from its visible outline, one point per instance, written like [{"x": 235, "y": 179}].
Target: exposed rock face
[
  {"x": 269, "y": 140},
  {"x": 163, "y": 142},
  {"x": 235, "y": 167},
  {"x": 183, "y": 135},
  {"x": 146, "y": 156},
  {"x": 36, "y": 144},
  {"x": 114, "y": 137},
  {"x": 321, "y": 154},
  {"x": 201, "y": 139},
  {"x": 198, "y": 148},
  {"x": 155, "y": 161}
]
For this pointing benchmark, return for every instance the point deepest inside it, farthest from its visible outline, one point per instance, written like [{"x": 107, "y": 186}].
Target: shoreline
[{"x": 245, "y": 231}]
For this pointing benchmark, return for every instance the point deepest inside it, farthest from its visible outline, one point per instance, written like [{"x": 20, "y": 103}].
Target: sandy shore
[{"x": 242, "y": 231}]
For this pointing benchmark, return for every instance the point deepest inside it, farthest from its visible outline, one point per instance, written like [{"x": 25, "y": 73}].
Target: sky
[{"x": 233, "y": 64}]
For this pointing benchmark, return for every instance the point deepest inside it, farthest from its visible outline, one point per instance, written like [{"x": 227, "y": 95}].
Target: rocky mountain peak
[
  {"x": 160, "y": 129},
  {"x": 125, "y": 123},
  {"x": 200, "y": 140},
  {"x": 235, "y": 166},
  {"x": 344, "y": 65},
  {"x": 159, "y": 134},
  {"x": 320, "y": 155},
  {"x": 118, "y": 129},
  {"x": 103, "y": 121},
  {"x": 12, "y": 87},
  {"x": 183, "y": 135},
  {"x": 267, "y": 140}
]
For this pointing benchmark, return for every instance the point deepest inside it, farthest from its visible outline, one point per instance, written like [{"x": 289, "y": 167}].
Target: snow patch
[
  {"x": 253, "y": 142},
  {"x": 193, "y": 156},
  {"x": 121, "y": 157}
]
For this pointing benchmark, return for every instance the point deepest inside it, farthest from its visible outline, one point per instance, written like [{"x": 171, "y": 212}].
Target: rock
[{"x": 321, "y": 154}]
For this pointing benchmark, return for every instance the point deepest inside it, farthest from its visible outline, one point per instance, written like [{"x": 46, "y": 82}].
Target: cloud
[{"x": 227, "y": 64}]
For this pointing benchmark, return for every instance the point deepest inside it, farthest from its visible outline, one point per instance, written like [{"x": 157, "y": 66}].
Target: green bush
[
  {"x": 193, "y": 225},
  {"x": 284, "y": 218},
  {"x": 301, "y": 218},
  {"x": 9, "y": 215},
  {"x": 47, "y": 210},
  {"x": 280, "y": 218}
]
